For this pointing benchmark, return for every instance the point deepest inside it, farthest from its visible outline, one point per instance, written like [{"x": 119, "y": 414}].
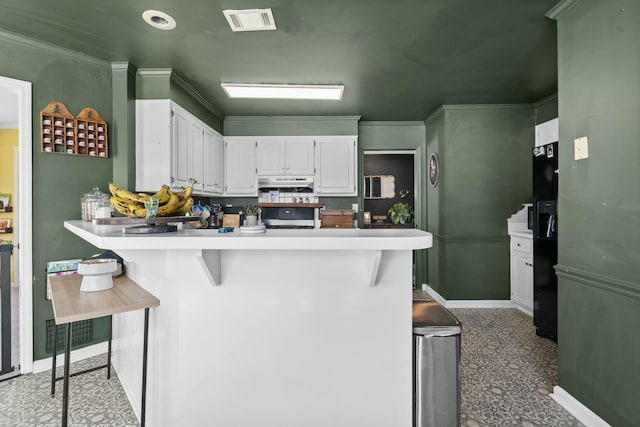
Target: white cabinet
[
  {"x": 522, "y": 271},
  {"x": 213, "y": 174},
  {"x": 284, "y": 156},
  {"x": 547, "y": 132},
  {"x": 172, "y": 147},
  {"x": 240, "y": 166},
  {"x": 336, "y": 167}
]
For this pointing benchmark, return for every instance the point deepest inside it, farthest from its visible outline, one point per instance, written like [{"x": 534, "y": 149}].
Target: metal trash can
[{"x": 436, "y": 364}]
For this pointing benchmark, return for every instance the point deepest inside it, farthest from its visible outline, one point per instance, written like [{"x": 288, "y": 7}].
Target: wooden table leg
[{"x": 65, "y": 389}]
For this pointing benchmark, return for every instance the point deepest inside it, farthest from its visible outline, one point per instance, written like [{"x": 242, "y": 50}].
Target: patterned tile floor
[
  {"x": 507, "y": 372},
  {"x": 94, "y": 401},
  {"x": 507, "y": 375}
]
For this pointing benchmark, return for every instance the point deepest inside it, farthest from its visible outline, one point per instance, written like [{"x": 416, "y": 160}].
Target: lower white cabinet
[
  {"x": 522, "y": 271},
  {"x": 336, "y": 166}
]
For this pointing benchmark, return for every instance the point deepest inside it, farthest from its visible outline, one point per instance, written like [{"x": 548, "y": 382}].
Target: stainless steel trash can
[{"x": 436, "y": 364}]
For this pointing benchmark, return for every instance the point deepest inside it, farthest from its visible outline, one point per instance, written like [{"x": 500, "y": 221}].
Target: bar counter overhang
[{"x": 285, "y": 328}]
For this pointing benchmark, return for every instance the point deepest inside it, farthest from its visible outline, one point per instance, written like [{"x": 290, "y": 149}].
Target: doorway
[{"x": 15, "y": 96}]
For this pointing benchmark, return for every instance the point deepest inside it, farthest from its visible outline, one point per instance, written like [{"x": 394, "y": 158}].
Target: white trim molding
[
  {"x": 24, "y": 213},
  {"x": 467, "y": 303},
  {"x": 585, "y": 415},
  {"x": 76, "y": 355}
]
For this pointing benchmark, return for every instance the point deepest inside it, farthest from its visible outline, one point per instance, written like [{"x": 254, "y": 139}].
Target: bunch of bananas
[{"x": 129, "y": 203}]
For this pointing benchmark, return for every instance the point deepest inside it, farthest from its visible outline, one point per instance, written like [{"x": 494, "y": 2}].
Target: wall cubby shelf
[{"x": 61, "y": 132}]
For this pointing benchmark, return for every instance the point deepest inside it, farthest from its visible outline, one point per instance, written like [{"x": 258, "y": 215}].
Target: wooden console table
[{"x": 71, "y": 305}]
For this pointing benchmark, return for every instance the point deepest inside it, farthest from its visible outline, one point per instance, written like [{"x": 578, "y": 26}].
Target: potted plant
[
  {"x": 400, "y": 213},
  {"x": 251, "y": 213}
]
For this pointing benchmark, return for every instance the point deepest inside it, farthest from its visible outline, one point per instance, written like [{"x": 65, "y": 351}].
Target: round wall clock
[{"x": 434, "y": 169}]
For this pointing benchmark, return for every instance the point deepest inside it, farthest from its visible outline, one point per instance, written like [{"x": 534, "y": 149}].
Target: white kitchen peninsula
[{"x": 286, "y": 328}]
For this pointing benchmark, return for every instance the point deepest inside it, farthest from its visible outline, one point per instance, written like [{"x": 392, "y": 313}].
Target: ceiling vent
[{"x": 250, "y": 19}]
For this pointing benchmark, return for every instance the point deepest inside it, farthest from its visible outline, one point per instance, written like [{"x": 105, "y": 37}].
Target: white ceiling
[{"x": 8, "y": 109}]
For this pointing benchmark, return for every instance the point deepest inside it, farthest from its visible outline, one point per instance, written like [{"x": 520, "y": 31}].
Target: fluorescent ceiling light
[{"x": 274, "y": 91}]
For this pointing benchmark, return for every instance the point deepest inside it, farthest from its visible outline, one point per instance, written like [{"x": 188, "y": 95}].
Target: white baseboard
[
  {"x": 577, "y": 409},
  {"x": 80, "y": 354},
  {"x": 467, "y": 303}
]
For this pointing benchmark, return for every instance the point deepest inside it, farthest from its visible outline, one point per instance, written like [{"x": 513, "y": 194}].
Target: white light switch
[
  {"x": 581, "y": 148},
  {"x": 354, "y": 206}
]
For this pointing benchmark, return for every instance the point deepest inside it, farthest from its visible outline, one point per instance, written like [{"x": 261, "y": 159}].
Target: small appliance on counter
[{"x": 288, "y": 202}]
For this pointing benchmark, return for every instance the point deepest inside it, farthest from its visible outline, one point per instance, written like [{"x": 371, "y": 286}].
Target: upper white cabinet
[
  {"x": 336, "y": 165},
  {"x": 547, "y": 132},
  {"x": 172, "y": 147},
  {"x": 285, "y": 156},
  {"x": 213, "y": 181},
  {"x": 240, "y": 166}
]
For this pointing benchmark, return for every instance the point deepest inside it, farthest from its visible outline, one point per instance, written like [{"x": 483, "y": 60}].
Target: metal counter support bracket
[
  {"x": 375, "y": 267},
  {"x": 210, "y": 262}
]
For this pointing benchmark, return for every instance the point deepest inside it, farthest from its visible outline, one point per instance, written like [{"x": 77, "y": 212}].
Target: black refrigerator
[{"x": 545, "y": 240}]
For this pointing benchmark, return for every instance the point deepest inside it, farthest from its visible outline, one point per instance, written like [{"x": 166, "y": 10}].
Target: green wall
[
  {"x": 59, "y": 180},
  {"x": 164, "y": 83},
  {"x": 381, "y": 136},
  {"x": 485, "y": 175},
  {"x": 599, "y": 207},
  {"x": 546, "y": 109}
]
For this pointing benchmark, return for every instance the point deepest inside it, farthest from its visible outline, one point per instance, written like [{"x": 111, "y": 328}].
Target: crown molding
[
  {"x": 48, "y": 47},
  {"x": 123, "y": 65},
  {"x": 292, "y": 118},
  {"x": 177, "y": 79},
  {"x": 543, "y": 101},
  {"x": 560, "y": 8},
  {"x": 391, "y": 123}
]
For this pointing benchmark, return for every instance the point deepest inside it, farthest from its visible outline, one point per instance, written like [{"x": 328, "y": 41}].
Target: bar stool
[{"x": 71, "y": 305}]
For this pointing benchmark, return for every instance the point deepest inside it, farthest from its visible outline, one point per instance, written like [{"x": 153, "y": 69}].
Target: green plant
[
  {"x": 400, "y": 213},
  {"x": 250, "y": 210}
]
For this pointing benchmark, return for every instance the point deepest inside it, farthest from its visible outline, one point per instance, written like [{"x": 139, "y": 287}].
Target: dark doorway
[{"x": 400, "y": 166}]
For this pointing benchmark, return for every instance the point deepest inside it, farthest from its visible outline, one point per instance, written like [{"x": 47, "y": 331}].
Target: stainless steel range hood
[{"x": 285, "y": 182}]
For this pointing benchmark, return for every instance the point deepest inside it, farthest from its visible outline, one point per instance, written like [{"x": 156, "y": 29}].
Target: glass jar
[{"x": 95, "y": 204}]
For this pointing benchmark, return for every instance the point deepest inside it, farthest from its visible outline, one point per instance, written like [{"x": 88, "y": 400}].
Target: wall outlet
[
  {"x": 581, "y": 148},
  {"x": 354, "y": 206}
]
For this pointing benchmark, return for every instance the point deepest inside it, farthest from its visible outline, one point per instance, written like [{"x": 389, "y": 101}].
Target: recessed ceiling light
[
  {"x": 283, "y": 91},
  {"x": 159, "y": 19}
]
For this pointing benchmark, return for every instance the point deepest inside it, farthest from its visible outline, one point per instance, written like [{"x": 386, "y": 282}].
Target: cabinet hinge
[{"x": 173, "y": 112}]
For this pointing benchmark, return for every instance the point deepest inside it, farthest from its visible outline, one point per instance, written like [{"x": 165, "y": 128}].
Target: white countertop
[
  {"x": 111, "y": 237},
  {"x": 528, "y": 234}
]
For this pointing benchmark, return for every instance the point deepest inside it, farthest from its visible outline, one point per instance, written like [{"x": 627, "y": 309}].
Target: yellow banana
[
  {"x": 133, "y": 197},
  {"x": 163, "y": 195},
  {"x": 184, "y": 207},
  {"x": 113, "y": 188},
  {"x": 139, "y": 211},
  {"x": 121, "y": 206},
  {"x": 185, "y": 193},
  {"x": 170, "y": 207}
]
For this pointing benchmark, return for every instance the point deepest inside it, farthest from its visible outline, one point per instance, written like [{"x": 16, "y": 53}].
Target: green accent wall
[
  {"x": 385, "y": 136},
  {"x": 485, "y": 176},
  {"x": 290, "y": 125},
  {"x": 599, "y": 207},
  {"x": 546, "y": 109},
  {"x": 123, "y": 128},
  {"x": 164, "y": 83},
  {"x": 59, "y": 180}
]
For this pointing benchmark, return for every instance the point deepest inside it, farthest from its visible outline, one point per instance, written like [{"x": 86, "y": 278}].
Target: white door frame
[{"x": 25, "y": 241}]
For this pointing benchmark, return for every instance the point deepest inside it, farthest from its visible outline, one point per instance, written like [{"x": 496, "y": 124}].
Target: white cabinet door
[
  {"x": 213, "y": 162},
  {"x": 196, "y": 155},
  {"x": 335, "y": 159},
  {"x": 299, "y": 156},
  {"x": 181, "y": 173},
  {"x": 154, "y": 144},
  {"x": 240, "y": 169},
  {"x": 270, "y": 156},
  {"x": 547, "y": 132},
  {"x": 522, "y": 272}
]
